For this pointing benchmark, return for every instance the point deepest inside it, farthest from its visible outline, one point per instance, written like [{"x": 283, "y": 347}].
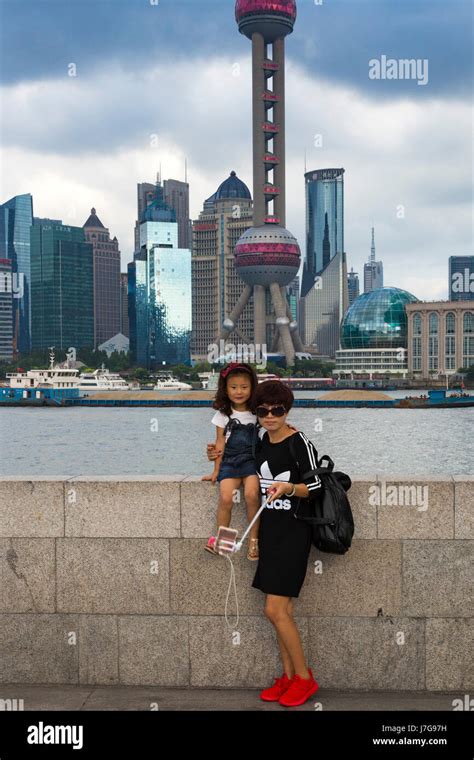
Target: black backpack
[{"x": 330, "y": 513}]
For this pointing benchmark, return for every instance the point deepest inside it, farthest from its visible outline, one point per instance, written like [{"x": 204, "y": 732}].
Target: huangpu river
[{"x": 172, "y": 440}]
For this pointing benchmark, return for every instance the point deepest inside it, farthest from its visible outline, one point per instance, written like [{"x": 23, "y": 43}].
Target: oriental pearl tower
[{"x": 267, "y": 256}]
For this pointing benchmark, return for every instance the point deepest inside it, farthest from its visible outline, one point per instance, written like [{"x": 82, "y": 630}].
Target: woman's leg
[
  {"x": 252, "y": 501},
  {"x": 278, "y": 612},
  {"x": 228, "y": 487},
  {"x": 285, "y": 655}
]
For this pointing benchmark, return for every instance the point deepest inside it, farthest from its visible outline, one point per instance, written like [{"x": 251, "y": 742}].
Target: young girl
[{"x": 236, "y": 438}]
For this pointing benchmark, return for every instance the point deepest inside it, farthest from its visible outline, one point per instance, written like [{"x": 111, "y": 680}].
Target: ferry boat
[
  {"x": 53, "y": 377},
  {"x": 102, "y": 380},
  {"x": 170, "y": 383}
]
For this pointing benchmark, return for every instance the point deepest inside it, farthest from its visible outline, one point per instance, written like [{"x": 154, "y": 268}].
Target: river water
[{"x": 172, "y": 440}]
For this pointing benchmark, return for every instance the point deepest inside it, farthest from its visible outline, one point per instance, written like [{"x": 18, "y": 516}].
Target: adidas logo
[{"x": 266, "y": 480}]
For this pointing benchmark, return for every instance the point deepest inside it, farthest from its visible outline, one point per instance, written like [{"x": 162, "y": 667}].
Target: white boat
[
  {"x": 53, "y": 377},
  {"x": 170, "y": 383},
  {"x": 102, "y": 380}
]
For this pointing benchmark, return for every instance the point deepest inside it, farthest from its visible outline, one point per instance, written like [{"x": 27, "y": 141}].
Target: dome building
[{"x": 374, "y": 334}]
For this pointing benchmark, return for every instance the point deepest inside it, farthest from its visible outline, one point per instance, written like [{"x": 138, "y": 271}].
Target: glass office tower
[
  {"x": 324, "y": 221},
  {"x": 159, "y": 290},
  {"x": 324, "y": 287},
  {"x": 16, "y": 218},
  {"x": 62, "y": 287}
]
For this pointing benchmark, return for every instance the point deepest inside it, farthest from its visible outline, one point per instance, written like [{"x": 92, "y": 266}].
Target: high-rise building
[
  {"x": 324, "y": 289},
  {"x": 62, "y": 287},
  {"x": 145, "y": 195},
  {"x": 159, "y": 287},
  {"x": 267, "y": 256},
  {"x": 176, "y": 195},
  {"x": 106, "y": 255},
  {"x": 324, "y": 306},
  {"x": 353, "y": 286},
  {"x": 373, "y": 270},
  {"x": 6, "y": 310},
  {"x": 324, "y": 190},
  {"x": 124, "y": 326},
  {"x": 16, "y": 218},
  {"x": 461, "y": 278},
  {"x": 216, "y": 284}
]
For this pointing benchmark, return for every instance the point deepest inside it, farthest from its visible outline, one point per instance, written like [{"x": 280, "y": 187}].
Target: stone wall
[{"x": 105, "y": 581}]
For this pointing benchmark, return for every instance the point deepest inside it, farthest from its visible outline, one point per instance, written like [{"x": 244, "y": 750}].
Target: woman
[{"x": 284, "y": 542}]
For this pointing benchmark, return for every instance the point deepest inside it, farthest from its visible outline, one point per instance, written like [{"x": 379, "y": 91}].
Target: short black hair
[{"x": 274, "y": 392}]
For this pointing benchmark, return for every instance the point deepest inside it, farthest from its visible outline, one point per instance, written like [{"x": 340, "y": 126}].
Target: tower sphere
[
  {"x": 267, "y": 254},
  {"x": 271, "y": 18}
]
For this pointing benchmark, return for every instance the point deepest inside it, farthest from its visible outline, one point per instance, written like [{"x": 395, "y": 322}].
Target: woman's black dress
[{"x": 284, "y": 541}]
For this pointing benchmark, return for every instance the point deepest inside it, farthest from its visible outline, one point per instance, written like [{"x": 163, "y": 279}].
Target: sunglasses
[{"x": 277, "y": 411}]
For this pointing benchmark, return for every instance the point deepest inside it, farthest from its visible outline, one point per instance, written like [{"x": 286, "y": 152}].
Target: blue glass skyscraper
[
  {"x": 16, "y": 218},
  {"x": 324, "y": 222},
  {"x": 159, "y": 290}
]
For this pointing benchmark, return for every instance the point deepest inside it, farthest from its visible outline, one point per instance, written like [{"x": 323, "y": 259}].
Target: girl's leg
[
  {"x": 279, "y": 612},
  {"x": 252, "y": 501},
  {"x": 224, "y": 509}
]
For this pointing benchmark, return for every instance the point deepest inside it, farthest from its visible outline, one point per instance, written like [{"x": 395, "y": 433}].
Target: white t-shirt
[{"x": 244, "y": 418}]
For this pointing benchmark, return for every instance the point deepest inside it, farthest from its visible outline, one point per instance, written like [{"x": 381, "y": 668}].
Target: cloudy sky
[{"x": 155, "y": 81}]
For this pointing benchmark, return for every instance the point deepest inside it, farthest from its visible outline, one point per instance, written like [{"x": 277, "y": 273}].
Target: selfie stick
[{"x": 238, "y": 545}]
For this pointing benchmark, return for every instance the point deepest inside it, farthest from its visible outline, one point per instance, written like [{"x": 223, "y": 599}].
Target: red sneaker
[
  {"x": 274, "y": 693},
  {"x": 299, "y": 691}
]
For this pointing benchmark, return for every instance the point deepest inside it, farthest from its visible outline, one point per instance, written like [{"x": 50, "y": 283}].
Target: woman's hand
[
  {"x": 213, "y": 452},
  {"x": 278, "y": 489}
]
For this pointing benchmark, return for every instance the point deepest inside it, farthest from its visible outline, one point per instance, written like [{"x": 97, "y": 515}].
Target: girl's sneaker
[
  {"x": 299, "y": 691},
  {"x": 252, "y": 551},
  {"x": 211, "y": 545},
  {"x": 273, "y": 693}
]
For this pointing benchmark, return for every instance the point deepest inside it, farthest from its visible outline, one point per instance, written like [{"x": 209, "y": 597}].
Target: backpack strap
[{"x": 255, "y": 437}]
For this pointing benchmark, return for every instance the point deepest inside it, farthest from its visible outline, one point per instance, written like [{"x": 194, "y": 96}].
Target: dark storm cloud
[{"x": 334, "y": 40}]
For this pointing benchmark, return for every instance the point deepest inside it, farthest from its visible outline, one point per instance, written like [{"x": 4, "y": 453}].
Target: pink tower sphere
[{"x": 272, "y": 18}]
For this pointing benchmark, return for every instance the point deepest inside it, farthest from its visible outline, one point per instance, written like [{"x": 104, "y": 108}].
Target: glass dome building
[{"x": 377, "y": 320}]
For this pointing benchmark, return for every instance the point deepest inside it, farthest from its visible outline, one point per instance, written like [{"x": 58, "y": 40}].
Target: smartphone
[{"x": 225, "y": 542}]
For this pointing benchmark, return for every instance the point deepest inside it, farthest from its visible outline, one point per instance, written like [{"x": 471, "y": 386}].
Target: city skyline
[{"x": 90, "y": 149}]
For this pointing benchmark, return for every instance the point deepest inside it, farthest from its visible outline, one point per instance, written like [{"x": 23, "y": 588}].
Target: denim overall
[{"x": 238, "y": 459}]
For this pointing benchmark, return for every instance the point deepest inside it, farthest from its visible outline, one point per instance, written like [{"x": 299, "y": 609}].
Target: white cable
[
  {"x": 237, "y": 548},
  {"x": 232, "y": 578}
]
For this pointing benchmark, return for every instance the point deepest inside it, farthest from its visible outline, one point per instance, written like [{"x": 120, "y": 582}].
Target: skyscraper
[
  {"x": 176, "y": 195},
  {"x": 324, "y": 191},
  {"x": 216, "y": 284},
  {"x": 62, "y": 287},
  {"x": 373, "y": 270},
  {"x": 106, "y": 256},
  {"x": 324, "y": 290},
  {"x": 124, "y": 326},
  {"x": 6, "y": 310},
  {"x": 159, "y": 286},
  {"x": 267, "y": 256},
  {"x": 353, "y": 285},
  {"x": 16, "y": 218}
]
